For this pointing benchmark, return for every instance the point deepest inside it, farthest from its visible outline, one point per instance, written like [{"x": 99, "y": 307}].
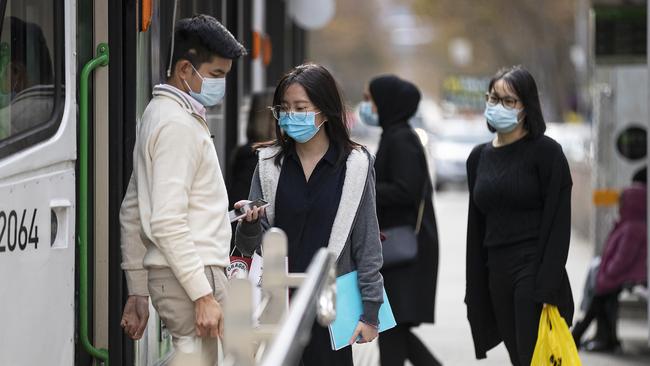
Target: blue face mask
[
  {"x": 212, "y": 90},
  {"x": 366, "y": 114},
  {"x": 300, "y": 126},
  {"x": 500, "y": 118}
]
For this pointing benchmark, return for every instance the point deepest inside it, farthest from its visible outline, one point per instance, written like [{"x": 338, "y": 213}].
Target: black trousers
[
  {"x": 318, "y": 351},
  {"x": 398, "y": 344},
  {"x": 512, "y": 271}
]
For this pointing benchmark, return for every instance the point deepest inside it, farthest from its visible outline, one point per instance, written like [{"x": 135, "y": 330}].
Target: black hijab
[{"x": 396, "y": 99}]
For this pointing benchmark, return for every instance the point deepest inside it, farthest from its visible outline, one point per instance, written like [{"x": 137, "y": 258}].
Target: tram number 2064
[{"x": 16, "y": 233}]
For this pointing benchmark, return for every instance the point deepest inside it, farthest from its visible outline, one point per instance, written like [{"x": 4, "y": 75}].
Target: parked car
[{"x": 453, "y": 141}]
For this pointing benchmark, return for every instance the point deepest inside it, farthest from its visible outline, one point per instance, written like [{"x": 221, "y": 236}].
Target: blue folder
[{"x": 349, "y": 309}]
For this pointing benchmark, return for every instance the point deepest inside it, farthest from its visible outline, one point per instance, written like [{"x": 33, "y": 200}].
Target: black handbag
[{"x": 400, "y": 245}]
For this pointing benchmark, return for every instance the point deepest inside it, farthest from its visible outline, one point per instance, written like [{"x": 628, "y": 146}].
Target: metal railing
[{"x": 284, "y": 329}]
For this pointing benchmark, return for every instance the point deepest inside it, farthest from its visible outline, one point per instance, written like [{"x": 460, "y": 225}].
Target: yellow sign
[{"x": 606, "y": 197}]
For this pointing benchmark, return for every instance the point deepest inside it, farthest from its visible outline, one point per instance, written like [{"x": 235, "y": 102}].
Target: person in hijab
[{"x": 403, "y": 185}]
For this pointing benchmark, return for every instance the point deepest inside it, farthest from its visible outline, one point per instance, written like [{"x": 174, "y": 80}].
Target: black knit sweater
[{"x": 508, "y": 192}]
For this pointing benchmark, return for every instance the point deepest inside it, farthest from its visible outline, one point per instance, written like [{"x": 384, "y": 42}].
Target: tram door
[
  {"x": 155, "y": 344},
  {"x": 37, "y": 182}
]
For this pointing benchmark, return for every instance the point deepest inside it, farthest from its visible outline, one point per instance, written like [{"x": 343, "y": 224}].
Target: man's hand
[
  {"x": 366, "y": 333},
  {"x": 135, "y": 316},
  {"x": 209, "y": 317}
]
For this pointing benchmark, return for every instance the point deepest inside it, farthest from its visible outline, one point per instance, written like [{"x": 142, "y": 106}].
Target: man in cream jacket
[{"x": 175, "y": 229}]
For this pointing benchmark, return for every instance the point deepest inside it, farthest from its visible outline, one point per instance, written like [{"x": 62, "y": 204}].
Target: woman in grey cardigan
[{"x": 321, "y": 190}]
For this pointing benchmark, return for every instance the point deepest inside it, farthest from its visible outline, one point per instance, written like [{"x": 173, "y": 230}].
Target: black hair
[
  {"x": 324, "y": 93},
  {"x": 260, "y": 118},
  {"x": 519, "y": 80},
  {"x": 641, "y": 175},
  {"x": 200, "y": 38}
]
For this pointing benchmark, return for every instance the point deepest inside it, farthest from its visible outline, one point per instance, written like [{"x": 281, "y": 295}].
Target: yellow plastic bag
[{"x": 555, "y": 345}]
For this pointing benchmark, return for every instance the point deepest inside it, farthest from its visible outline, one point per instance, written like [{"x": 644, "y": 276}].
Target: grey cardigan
[{"x": 354, "y": 239}]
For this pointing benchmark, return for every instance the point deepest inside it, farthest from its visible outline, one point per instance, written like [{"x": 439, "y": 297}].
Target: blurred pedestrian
[
  {"x": 623, "y": 265},
  {"x": 260, "y": 128},
  {"x": 175, "y": 229},
  {"x": 321, "y": 189},
  {"x": 404, "y": 200},
  {"x": 519, "y": 223}
]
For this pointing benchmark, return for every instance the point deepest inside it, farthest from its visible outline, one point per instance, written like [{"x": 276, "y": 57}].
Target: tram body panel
[
  {"x": 37, "y": 270},
  {"x": 37, "y": 181}
]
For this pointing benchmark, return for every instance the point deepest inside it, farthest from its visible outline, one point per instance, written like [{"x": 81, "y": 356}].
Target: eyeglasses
[
  {"x": 507, "y": 102},
  {"x": 280, "y": 111}
]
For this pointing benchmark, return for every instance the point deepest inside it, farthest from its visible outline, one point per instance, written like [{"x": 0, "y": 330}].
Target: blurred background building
[{"x": 452, "y": 47}]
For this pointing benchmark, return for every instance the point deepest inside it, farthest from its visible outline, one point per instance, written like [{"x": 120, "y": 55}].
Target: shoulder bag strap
[{"x": 418, "y": 223}]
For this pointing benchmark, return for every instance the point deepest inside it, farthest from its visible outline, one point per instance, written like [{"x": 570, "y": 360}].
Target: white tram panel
[
  {"x": 37, "y": 317},
  {"x": 37, "y": 291}
]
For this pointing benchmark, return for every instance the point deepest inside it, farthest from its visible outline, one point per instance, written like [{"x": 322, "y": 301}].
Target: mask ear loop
[
  {"x": 171, "y": 52},
  {"x": 523, "y": 116},
  {"x": 322, "y": 123}
]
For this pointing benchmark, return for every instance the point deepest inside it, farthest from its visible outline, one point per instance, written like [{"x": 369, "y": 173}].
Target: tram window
[{"x": 31, "y": 82}]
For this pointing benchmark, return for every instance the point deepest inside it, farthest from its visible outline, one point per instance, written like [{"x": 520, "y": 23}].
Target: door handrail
[{"x": 82, "y": 240}]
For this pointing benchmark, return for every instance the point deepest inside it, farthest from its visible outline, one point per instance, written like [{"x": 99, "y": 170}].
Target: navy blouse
[{"x": 305, "y": 210}]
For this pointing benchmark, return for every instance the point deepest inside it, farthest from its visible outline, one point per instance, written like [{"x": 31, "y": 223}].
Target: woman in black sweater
[{"x": 519, "y": 222}]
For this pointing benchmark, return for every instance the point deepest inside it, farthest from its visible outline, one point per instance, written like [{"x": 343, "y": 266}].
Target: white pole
[
  {"x": 648, "y": 161},
  {"x": 259, "y": 74}
]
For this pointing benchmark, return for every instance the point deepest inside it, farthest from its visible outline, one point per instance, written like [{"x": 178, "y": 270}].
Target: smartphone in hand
[{"x": 240, "y": 213}]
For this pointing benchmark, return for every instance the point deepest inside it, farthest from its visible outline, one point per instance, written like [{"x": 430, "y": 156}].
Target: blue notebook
[{"x": 349, "y": 309}]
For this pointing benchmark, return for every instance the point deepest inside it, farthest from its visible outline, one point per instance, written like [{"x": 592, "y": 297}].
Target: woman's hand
[
  {"x": 364, "y": 333},
  {"x": 252, "y": 215}
]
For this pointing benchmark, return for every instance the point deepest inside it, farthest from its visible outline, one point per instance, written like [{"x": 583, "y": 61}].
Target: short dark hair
[
  {"x": 200, "y": 38},
  {"x": 324, "y": 93},
  {"x": 523, "y": 84}
]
